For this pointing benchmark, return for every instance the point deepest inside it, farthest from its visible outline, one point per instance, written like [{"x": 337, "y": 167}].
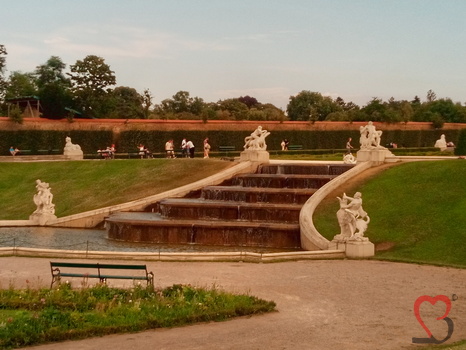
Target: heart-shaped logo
[{"x": 433, "y": 301}]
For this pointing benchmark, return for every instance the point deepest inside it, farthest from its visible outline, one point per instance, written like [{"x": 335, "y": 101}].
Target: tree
[
  {"x": 182, "y": 106},
  {"x": 375, "y": 109},
  {"x": 91, "y": 79},
  {"x": 3, "y": 82},
  {"x": 54, "y": 88},
  {"x": 146, "y": 103},
  {"x": 21, "y": 85},
  {"x": 248, "y": 101},
  {"x": 126, "y": 103},
  {"x": 431, "y": 96},
  {"x": 311, "y": 106},
  {"x": 235, "y": 109}
]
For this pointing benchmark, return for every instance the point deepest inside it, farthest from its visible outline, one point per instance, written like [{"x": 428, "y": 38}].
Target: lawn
[
  {"x": 79, "y": 186},
  {"x": 416, "y": 210}
]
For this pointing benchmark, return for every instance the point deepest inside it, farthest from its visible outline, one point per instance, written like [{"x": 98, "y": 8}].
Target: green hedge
[
  {"x": 460, "y": 149},
  {"x": 155, "y": 140},
  {"x": 34, "y": 140},
  {"x": 127, "y": 141}
]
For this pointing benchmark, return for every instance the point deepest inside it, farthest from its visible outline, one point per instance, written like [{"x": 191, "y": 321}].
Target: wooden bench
[
  {"x": 100, "y": 271},
  {"x": 48, "y": 151},
  {"x": 24, "y": 151},
  {"x": 295, "y": 147},
  {"x": 226, "y": 148}
]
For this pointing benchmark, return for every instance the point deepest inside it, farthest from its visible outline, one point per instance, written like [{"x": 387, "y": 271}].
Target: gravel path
[{"x": 330, "y": 304}]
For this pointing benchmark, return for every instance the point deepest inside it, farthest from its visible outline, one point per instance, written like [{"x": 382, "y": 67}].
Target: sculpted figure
[
  {"x": 441, "y": 142},
  {"x": 43, "y": 199},
  {"x": 70, "y": 146},
  {"x": 352, "y": 218},
  {"x": 370, "y": 137},
  {"x": 349, "y": 159},
  {"x": 257, "y": 140}
]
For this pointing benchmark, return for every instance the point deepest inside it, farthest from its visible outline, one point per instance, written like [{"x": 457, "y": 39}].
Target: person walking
[
  {"x": 184, "y": 149},
  {"x": 349, "y": 147},
  {"x": 206, "y": 147},
  {"x": 190, "y": 147},
  {"x": 169, "y": 149}
]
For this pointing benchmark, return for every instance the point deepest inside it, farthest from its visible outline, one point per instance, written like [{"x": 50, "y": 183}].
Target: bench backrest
[{"x": 98, "y": 266}]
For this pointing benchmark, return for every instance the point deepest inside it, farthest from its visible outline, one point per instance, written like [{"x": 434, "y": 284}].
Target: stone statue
[
  {"x": 71, "y": 150},
  {"x": 43, "y": 200},
  {"x": 352, "y": 218},
  {"x": 349, "y": 159},
  {"x": 441, "y": 143},
  {"x": 70, "y": 146},
  {"x": 370, "y": 137},
  {"x": 256, "y": 141}
]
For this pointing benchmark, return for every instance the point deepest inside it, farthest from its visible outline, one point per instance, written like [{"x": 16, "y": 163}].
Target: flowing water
[{"x": 96, "y": 240}]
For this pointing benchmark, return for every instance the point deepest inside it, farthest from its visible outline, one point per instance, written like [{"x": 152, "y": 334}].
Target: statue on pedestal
[
  {"x": 441, "y": 143},
  {"x": 256, "y": 141},
  {"x": 72, "y": 150},
  {"x": 43, "y": 200},
  {"x": 370, "y": 137},
  {"x": 352, "y": 218}
]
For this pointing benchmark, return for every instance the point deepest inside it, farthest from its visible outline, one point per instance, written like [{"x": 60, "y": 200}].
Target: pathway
[{"x": 333, "y": 304}]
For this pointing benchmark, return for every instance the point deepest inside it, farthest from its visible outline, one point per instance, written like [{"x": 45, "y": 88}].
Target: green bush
[{"x": 460, "y": 149}]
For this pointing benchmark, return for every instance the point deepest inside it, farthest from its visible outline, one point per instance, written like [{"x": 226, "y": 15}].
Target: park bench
[
  {"x": 295, "y": 147},
  {"x": 100, "y": 271},
  {"x": 24, "y": 152},
  {"x": 48, "y": 151},
  {"x": 226, "y": 148}
]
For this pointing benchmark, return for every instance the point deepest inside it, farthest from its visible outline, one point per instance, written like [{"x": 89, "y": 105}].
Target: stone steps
[
  {"x": 256, "y": 210},
  {"x": 258, "y": 194},
  {"x": 229, "y": 210},
  {"x": 152, "y": 227}
]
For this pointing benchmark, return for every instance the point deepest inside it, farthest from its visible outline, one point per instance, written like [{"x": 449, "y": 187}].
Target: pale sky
[{"x": 267, "y": 49}]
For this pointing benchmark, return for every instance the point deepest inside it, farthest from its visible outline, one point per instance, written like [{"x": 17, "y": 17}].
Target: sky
[{"x": 267, "y": 49}]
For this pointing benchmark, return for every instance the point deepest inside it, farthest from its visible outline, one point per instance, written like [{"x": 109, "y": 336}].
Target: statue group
[
  {"x": 43, "y": 199},
  {"x": 370, "y": 137},
  {"x": 352, "y": 218},
  {"x": 256, "y": 141}
]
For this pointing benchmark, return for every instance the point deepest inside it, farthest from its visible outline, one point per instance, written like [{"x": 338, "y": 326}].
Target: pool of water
[{"x": 96, "y": 240}]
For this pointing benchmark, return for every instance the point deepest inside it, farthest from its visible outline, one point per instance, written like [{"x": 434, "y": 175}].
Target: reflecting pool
[{"x": 96, "y": 240}]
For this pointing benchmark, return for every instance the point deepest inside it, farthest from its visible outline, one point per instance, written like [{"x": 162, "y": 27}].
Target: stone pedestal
[
  {"x": 254, "y": 156},
  {"x": 73, "y": 154},
  {"x": 375, "y": 155},
  {"x": 355, "y": 249},
  {"x": 42, "y": 218}
]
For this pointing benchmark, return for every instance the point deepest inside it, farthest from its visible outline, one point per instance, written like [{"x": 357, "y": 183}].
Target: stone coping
[{"x": 174, "y": 256}]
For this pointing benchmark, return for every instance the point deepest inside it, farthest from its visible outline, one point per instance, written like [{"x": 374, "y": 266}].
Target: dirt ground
[{"x": 329, "y": 304}]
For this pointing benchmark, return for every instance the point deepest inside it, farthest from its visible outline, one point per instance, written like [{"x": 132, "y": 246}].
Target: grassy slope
[
  {"x": 419, "y": 207},
  {"x": 84, "y": 185}
]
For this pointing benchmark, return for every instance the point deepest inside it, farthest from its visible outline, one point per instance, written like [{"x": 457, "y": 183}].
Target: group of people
[
  {"x": 188, "y": 148},
  {"x": 108, "y": 153}
]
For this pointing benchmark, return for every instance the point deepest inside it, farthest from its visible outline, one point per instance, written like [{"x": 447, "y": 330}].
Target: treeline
[{"x": 88, "y": 89}]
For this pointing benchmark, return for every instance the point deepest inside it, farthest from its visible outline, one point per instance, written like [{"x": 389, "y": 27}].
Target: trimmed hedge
[
  {"x": 155, "y": 140},
  {"x": 127, "y": 141},
  {"x": 460, "y": 149},
  {"x": 34, "y": 140}
]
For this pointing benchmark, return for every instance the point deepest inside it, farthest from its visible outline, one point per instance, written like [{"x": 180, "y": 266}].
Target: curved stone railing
[
  {"x": 311, "y": 239},
  {"x": 173, "y": 256}
]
